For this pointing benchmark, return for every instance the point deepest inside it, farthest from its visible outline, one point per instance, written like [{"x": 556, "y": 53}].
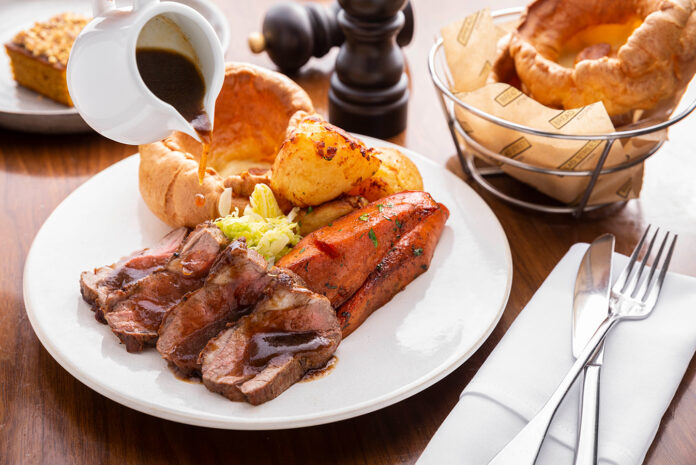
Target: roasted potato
[
  {"x": 318, "y": 162},
  {"x": 396, "y": 173}
]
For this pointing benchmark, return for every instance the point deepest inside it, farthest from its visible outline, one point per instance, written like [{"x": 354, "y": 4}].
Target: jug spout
[{"x": 184, "y": 126}]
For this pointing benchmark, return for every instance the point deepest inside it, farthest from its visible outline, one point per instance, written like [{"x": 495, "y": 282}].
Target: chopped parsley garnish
[
  {"x": 389, "y": 205},
  {"x": 310, "y": 209},
  {"x": 398, "y": 224},
  {"x": 379, "y": 267},
  {"x": 373, "y": 238},
  {"x": 330, "y": 286},
  {"x": 302, "y": 250},
  {"x": 380, "y": 207},
  {"x": 330, "y": 224},
  {"x": 418, "y": 252},
  {"x": 363, "y": 217}
]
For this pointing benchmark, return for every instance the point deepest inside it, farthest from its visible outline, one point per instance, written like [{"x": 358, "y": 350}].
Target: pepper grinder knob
[
  {"x": 257, "y": 42},
  {"x": 293, "y": 33},
  {"x": 369, "y": 89}
]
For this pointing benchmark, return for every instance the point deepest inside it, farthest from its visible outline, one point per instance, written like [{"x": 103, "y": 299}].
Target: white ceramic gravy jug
[{"x": 103, "y": 78}]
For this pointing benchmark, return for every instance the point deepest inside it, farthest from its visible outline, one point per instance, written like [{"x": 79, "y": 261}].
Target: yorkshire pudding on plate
[
  {"x": 251, "y": 118},
  {"x": 630, "y": 54}
]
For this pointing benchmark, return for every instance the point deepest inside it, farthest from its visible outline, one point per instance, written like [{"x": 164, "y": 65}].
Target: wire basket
[{"x": 439, "y": 74}]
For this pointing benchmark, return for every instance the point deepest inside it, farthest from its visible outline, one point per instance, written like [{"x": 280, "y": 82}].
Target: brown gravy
[
  {"x": 267, "y": 345},
  {"x": 199, "y": 200},
  {"x": 175, "y": 79},
  {"x": 181, "y": 376},
  {"x": 311, "y": 375}
]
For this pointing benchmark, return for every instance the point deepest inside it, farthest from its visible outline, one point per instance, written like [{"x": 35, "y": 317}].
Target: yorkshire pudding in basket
[
  {"x": 630, "y": 54},
  {"x": 251, "y": 117}
]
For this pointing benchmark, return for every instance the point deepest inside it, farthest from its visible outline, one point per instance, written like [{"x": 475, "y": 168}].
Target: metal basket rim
[
  {"x": 553, "y": 209},
  {"x": 537, "y": 132}
]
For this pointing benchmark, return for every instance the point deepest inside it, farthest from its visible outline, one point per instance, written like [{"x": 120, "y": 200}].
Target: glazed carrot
[
  {"x": 409, "y": 258},
  {"x": 337, "y": 259}
]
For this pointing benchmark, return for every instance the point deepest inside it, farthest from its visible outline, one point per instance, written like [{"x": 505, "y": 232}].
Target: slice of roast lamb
[
  {"x": 97, "y": 285},
  {"x": 136, "y": 318},
  {"x": 237, "y": 280},
  {"x": 291, "y": 331}
]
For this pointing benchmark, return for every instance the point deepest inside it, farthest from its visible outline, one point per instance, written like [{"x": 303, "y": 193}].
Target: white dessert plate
[
  {"x": 420, "y": 336},
  {"x": 23, "y": 109}
]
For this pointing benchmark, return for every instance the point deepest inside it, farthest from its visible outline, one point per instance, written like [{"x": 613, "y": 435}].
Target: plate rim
[{"x": 270, "y": 423}]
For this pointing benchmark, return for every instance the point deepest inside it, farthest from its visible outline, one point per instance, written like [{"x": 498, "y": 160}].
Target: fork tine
[
  {"x": 653, "y": 290},
  {"x": 641, "y": 290},
  {"x": 634, "y": 282},
  {"x": 620, "y": 284}
]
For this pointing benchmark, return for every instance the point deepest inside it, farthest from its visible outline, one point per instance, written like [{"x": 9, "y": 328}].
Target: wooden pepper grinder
[
  {"x": 293, "y": 33},
  {"x": 369, "y": 89}
]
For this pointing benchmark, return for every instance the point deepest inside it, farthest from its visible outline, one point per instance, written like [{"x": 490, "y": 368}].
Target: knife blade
[
  {"x": 592, "y": 288},
  {"x": 590, "y": 308}
]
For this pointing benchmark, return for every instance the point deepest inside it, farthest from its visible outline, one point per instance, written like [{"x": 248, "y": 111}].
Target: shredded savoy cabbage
[{"x": 263, "y": 224}]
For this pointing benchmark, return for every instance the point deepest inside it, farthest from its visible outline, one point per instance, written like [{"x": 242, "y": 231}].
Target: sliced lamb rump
[
  {"x": 136, "y": 318},
  {"x": 291, "y": 331},
  {"x": 99, "y": 284},
  {"x": 237, "y": 280}
]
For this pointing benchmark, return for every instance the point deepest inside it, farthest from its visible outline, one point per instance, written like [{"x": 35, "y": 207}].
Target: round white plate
[
  {"x": 423, "y": 334},
  {"x": 25, "y": 110}
]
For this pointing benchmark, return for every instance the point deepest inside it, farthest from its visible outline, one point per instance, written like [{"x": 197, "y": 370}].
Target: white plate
[
  {"x": 423, "y": 334},
  {"x": 25, "y": 110}
]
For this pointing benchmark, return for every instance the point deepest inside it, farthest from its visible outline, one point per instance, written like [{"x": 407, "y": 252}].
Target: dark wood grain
[{"x": 47, "y": 416}]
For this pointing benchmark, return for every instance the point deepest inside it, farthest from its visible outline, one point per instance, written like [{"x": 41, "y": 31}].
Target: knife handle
[
  {"x": 524, "y": 447},
  {"x": 586, "y": 451}
]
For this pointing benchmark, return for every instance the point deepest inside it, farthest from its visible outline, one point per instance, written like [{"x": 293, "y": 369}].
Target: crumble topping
[{"x": 52, "y": 39}]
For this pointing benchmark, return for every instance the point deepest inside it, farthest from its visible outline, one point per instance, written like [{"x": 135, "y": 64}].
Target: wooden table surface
[{"x": 47, "y": 416}]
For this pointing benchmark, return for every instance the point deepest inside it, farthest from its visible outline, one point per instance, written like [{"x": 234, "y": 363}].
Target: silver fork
[{"x": 633, "y": 297}]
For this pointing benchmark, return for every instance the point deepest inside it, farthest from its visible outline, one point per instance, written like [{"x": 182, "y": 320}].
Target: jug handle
[
  {"x": 137, "y": 4},
  {"x": 99, "y": 7}
]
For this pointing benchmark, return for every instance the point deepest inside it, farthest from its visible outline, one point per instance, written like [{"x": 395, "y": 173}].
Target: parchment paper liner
[{"x": 470, "y": 50}]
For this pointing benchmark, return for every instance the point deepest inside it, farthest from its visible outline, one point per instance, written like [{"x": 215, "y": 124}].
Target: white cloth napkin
[{"x": 644, "y": 362}]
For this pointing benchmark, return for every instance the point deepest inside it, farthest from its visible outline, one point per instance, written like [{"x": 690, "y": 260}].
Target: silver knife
[{"x": 590, "y": 308}]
